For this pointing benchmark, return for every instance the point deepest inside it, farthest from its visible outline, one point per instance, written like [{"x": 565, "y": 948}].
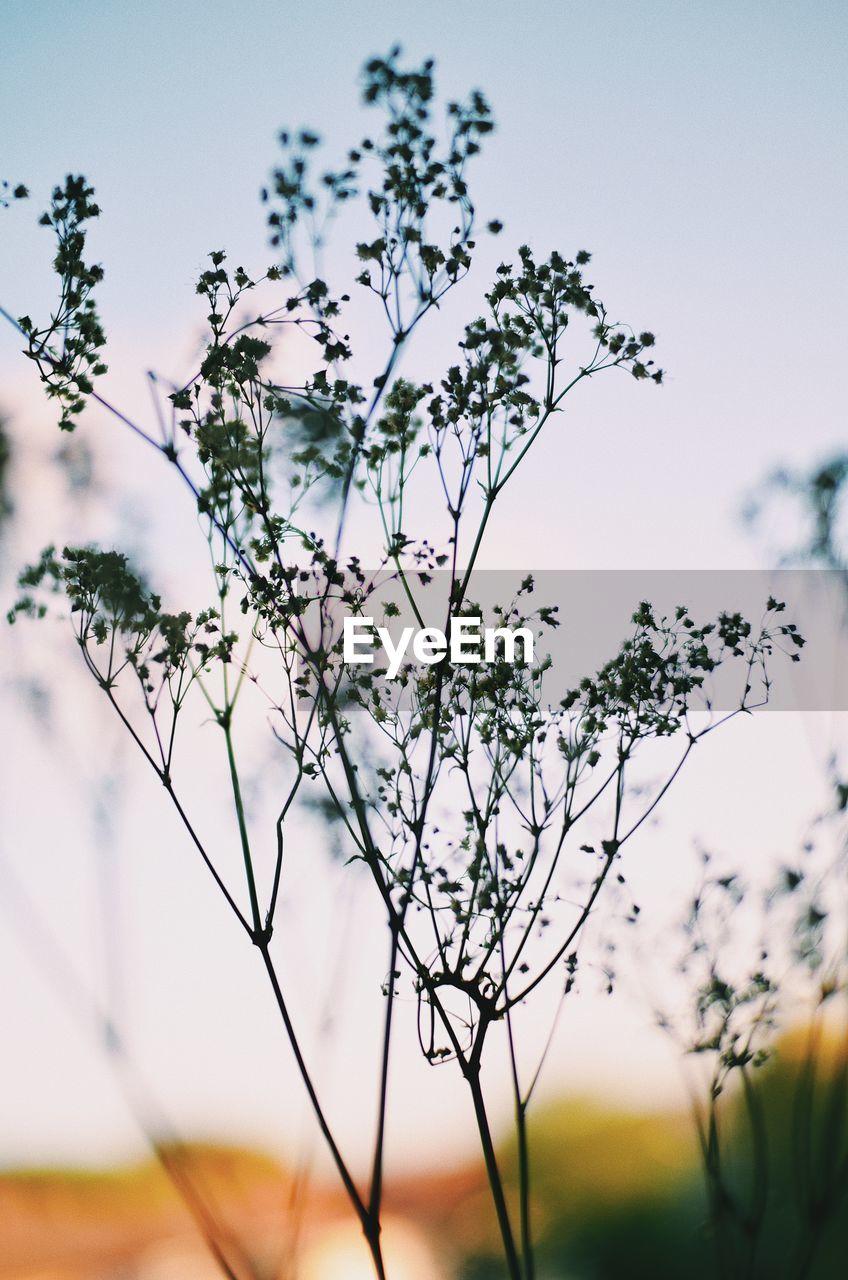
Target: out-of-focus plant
[
  {"x": 818, "y": 497},
  {"x": 758, "y": 960},
  {"x": 464, "y": 789}
]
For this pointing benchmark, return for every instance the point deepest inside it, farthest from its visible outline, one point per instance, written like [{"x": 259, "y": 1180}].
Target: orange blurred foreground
[{"x": 68, "y": 1225}]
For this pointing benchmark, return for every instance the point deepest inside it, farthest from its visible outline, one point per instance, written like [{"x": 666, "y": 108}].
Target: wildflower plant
[{"x": 465, "y": 790}]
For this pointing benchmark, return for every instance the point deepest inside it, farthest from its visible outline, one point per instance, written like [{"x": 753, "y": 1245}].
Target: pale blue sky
[{"x": 697, "y": 149}]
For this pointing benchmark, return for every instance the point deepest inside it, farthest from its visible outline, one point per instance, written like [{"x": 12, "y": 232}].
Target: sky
[{"x": 698, "y": 151}]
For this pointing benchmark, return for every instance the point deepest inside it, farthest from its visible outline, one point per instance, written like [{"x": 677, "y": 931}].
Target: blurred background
[{"x": 699, "y": 153}]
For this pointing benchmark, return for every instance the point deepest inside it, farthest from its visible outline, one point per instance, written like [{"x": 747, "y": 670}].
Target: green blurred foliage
[{"x": 622, "y": 1195}]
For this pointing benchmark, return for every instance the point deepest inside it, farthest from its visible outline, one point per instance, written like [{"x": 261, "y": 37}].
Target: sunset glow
[{"x": 341, "y": 1252}]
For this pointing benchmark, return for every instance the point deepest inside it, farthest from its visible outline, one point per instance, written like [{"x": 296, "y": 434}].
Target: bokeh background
[{"x": 699, "y": 152}]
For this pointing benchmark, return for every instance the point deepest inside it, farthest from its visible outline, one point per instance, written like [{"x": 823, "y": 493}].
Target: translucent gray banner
[{"x": 594, "y": 611}]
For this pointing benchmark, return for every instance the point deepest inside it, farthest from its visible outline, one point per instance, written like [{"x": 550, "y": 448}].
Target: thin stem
[
  {"x": 242, "y": 825},
  {"x": 521, "y": 1103},
  {"x": 375, "y": 1199},
  {"x": 338, "y": 1160},
  {"x": 493, "y": 1173}
]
